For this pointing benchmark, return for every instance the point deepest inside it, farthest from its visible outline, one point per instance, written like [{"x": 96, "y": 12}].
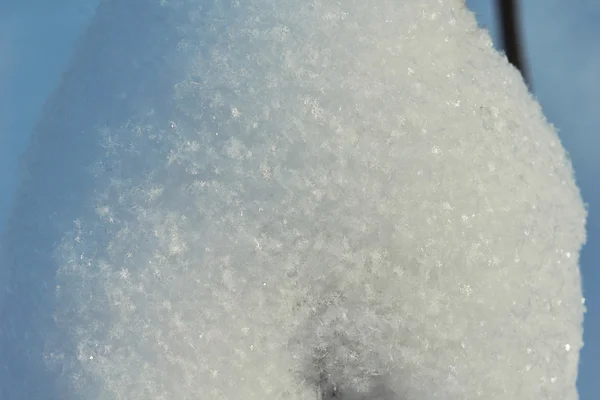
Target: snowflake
[
  {"x": 124, "y": 274},
  {"x": 266, "y": 172}
]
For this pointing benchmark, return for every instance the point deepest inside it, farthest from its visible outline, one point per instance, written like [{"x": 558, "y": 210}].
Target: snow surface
[{"x": 292, "y": 199}]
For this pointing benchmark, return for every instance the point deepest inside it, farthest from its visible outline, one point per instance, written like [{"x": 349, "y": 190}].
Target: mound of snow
[{"x": 301, "y": 200}]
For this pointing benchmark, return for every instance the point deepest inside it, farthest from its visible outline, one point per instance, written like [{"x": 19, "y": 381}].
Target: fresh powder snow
[{"x": 292, "y": 199}]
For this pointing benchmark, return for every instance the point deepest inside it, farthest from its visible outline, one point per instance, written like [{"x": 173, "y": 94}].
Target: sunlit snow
[{"x": 293, "y": 200}]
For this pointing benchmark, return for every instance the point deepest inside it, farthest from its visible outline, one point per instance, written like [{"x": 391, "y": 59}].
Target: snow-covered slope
[{"x": 290, "y": 199}]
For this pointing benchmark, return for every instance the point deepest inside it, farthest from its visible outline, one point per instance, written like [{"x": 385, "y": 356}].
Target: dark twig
[{"x": 511, "y": 34}]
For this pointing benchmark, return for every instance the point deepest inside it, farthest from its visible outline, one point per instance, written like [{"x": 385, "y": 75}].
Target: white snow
[{"x": 358, "y": 198}]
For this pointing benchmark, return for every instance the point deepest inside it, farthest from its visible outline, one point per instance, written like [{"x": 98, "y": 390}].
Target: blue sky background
[
  {"x": 562, "y": 45},
  {"x": 36, "y": 40}
]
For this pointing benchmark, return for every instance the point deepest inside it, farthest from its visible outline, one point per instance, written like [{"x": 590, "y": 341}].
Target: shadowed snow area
[{"x": 292, "y": 200}]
